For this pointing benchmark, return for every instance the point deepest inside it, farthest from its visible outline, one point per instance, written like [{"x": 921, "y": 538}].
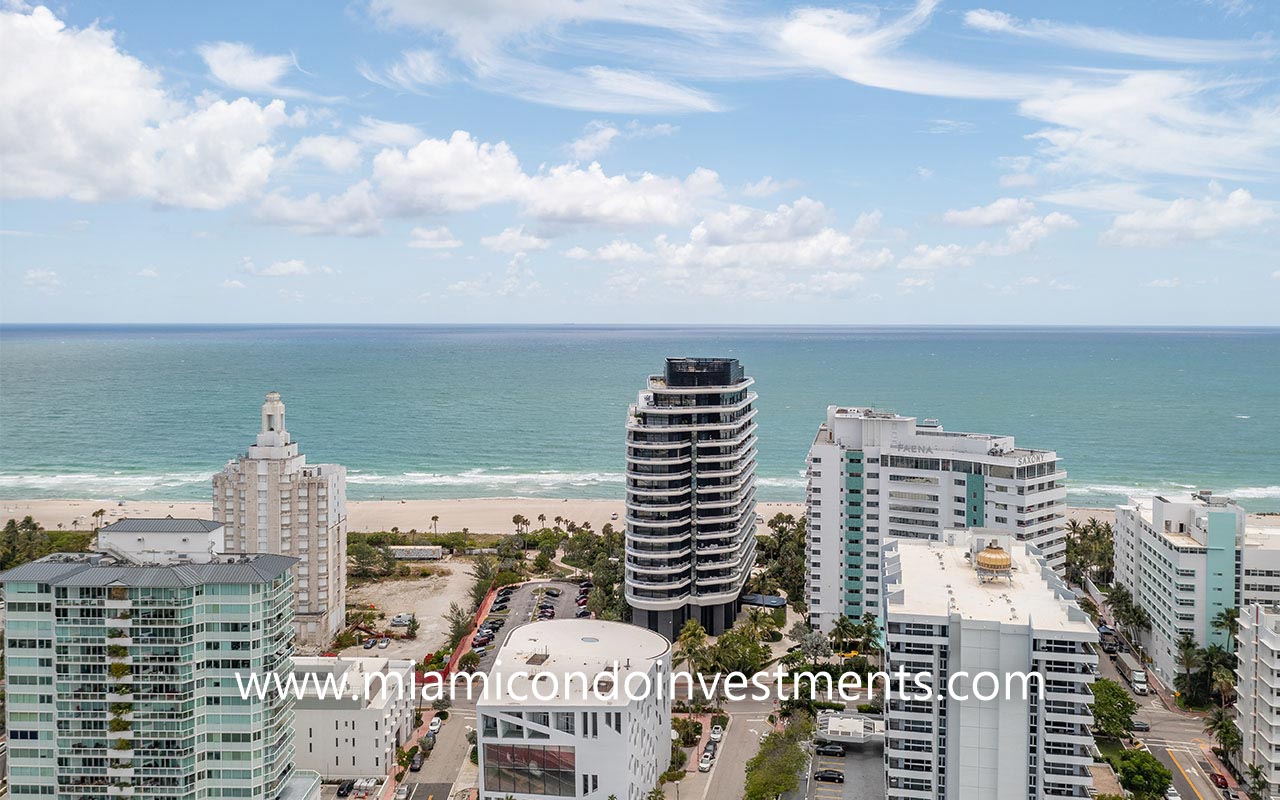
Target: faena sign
[{"x": 912, "y": 448}]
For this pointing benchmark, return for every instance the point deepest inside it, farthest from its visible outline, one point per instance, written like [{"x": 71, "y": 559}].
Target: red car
[{"x": 1218, "y": 780}]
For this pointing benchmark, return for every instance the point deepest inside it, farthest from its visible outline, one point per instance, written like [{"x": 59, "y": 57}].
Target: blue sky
[{"x": 641, "y": 161}]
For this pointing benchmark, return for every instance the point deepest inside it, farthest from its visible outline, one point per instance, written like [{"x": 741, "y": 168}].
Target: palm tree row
[
  {"x": 1129, "y": 617},
  {"x": 1091, "y": 549},
  {"x": 864, "y": 634}
]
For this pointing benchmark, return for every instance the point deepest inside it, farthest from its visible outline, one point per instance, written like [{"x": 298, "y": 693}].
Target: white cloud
[
  {"x": 767, "y": 186},
  {"x": 617, "y": 250},
  {"x": 238, "y": 66},
  {"x": 1276, "y": 275},
  {"x": 415, "y": 70},
  {"x": 45, "y": 281},
  {"x": 334, "y": 152},
  {"x": 458, "y": 174},
  {"x": 1163, "y": 283},
  {"x": 517, "y": 281},
  {"x": 147, "y": 272},
  {"x": 739, "y": 224},
  {"x": 949, "y": 126},
  {"x": 514, "y": 240},
  {"x": 999, "y": 212},
  {"x": 1190, "y": 219},
  {"x": 380, "y": 132},
  {"x": 352, "y": 213},
  {"x": 940, "y": 256},
  {"x": 433, "y": 239},
  {"x": 80, "y": 119},
  {"x": 232, "y": 283},
  {"x": 290, "y": 296},
  {"x": 924, "y": 173},
  {"x": 1164, "y": 48},
  {"x": 1019, "y": 237},
  {"x": 913, "y": 282},
  {"x": 596, "y": 139},
  {"x": 571, "y": 194},
  {"x": 291, "y": 268}
]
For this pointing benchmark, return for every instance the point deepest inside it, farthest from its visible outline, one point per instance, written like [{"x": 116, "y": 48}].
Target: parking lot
[
  {"x": 863, "y": 768},
  {"x": 522, "y": 607}
]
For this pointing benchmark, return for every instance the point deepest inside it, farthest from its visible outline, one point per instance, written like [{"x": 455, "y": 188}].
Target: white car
[
  {"x": 717, "y": 733},
  {"x": 384, "y": 643},
  {"x": 402, "y": 793},
  {"x": 435, "y": 725},
  {"x": 1172, "y": 794},
  {"x": 704, "y": 764}
]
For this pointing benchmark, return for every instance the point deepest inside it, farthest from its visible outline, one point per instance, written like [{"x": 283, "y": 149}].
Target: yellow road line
[{"x": 1174, "y": 759}]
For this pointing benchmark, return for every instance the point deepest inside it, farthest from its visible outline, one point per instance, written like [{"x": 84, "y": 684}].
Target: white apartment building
[
  {"x": 121, "y": 679},
  {"x": 875, "y": 475},
  {"x": 691, "y": 507},
  {"x": 1258, "y": 690},
  {"x": 981, "y": 601},
  {"x": 1185, "y": 561},
  {"x": 541, "y": 737},
  {"x": 272, "y": 501},
  {"x": 346, "y": 725},
  {"x": 163, "y": 541}
]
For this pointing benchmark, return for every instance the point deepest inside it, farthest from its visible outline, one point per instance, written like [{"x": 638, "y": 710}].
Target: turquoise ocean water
[{"x": 446, "y": 411}]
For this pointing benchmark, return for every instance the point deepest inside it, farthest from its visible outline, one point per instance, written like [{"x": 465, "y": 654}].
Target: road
[{"x": 1175, "y": 739}]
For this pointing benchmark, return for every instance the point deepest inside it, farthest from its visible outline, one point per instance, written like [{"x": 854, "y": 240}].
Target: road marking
[{"x": 1174, "y": 759}]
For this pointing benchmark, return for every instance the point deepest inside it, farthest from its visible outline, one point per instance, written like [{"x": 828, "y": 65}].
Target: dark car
[
  {"x": 710, "y": 749},
  {"x": 581, "y": 613},
  {"x": 1140, "y": 727},
  {"x": 829, "y": 775},
  {"x": 554, "y": 593},
  {"x": 480, "y": 641},
  {"x": 499, "y": 608},
  {"x": 370, "y": 642},
  {"x": 586, "y": 585},
  {"x": 829, "y": 750},
  {"x": 582, "y": 601},
  {"x": 1110, "y": 646},
  {"x": 546, "y": 604},
  {"x": 418, "y": 760},
  {"x": 495, "y": 624},
  {"x": 344, "y": 789}
]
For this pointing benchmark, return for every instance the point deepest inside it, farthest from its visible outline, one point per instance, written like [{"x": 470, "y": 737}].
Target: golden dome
[{"x": 993, "y": 558}]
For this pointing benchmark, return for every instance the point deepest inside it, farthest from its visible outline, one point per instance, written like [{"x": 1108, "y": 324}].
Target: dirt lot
[{"x": 429, "y": 598}]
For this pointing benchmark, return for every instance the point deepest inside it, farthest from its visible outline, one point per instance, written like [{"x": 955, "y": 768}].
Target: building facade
[
  {"x": 352, "y": 715},
  {"x": 541, "y": 738},
  {"x": 690, "y": 504},
  {"x": 272, "y": 501},
  {"x": 875, "y": 475},
  {"x": 1257, "y": 705},
  {"x": 1185, "y": 562},
  {"x": 166, "y": 540},
  {"x": 981, "y": 601},
  {"x": 121, "y": 679}
]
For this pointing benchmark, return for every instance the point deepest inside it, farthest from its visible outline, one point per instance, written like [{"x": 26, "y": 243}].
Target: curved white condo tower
[{"x": 691, "y": 516}]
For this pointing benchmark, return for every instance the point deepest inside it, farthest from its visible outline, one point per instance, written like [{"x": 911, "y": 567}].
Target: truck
[{"x": 1133, "y": 672}]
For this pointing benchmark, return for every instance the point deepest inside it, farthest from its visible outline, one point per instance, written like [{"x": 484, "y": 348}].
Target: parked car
[
  {"x": 829, "y": 750},
  {"x": 1172, "y": 794},
  {"x": 370, "y": 642},
  {"x": 418, "y": 760},
  {"x": 553, "y": 592},
  {"x": 1140, "y": 727},
  {"x": 586, "y": 585},
  {"x": 829, "y": 775},
  {"x": 402, "y": 792},
  {"x": 344, "y": 788},
  {"x": 709, "y": 749},
  {"x": 436, "y": 722},
  {"x": 582, "y": 601},
  {"x": 384, "y": 643},
  {"x": 582, "y": 613},
  {"x": 717, "y": 733},
  {"x": 704, "y": 763},
  {"x": 400, "y": 620},
  {"x": 545, "y": 606},
  {"x": 1218, "y": 779}
]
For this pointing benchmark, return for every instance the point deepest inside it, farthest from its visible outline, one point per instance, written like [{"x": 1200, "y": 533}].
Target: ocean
[{"x": 150, "y": 412}]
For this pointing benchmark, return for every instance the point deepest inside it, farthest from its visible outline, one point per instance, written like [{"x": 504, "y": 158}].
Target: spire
[{"x": 273, "y": 432}]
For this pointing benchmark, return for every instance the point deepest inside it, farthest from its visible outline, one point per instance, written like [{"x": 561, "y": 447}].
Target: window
[{"x": 529, "y": 769}]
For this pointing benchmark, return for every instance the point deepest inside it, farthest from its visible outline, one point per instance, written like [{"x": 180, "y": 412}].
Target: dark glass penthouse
[{"x": 691, "y": 516}]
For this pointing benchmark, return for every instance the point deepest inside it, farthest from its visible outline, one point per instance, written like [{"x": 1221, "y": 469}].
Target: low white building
[
  {"x": 541, "y": 735},
  {"x": 153, "y": 540},
  {"x": 976, "y": 602},
  {"x": 1258, "y": 690},
  {"x": 1185, "y": 562},
  {"x": 341, "y": 737}
]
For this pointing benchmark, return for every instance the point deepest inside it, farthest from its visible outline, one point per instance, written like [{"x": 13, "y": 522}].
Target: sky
[{"x": 641, "y": 161}]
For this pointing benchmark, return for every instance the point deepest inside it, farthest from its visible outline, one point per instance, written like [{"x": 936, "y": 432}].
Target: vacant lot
[{"x": 429, "y": 598}]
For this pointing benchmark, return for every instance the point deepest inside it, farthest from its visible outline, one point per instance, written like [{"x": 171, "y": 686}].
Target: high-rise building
[
  {"x": 875, "y": 475},
  {"x": 691, "y": 514},
  {"x": 574, "y": 709},
  {"x": 272, "y": 501},
  {"x": 1185, "y": 562},
  {"x": 122, "y": 679},
  {"x": 970, "y": 615},
  {"x": 1257, "y": 705}
]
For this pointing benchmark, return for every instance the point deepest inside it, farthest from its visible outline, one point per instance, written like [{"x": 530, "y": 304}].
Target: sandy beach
[{"x": 479, "y": 515}]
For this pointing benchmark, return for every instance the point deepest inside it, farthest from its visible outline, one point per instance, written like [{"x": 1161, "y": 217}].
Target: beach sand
[{"x": 479, "y": 515}]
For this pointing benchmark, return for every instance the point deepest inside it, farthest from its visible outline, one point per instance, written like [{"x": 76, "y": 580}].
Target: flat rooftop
[
  {"x": 568, "y": 647},
  {"x": 161, "y": 525},
  {"x": 937, "y": 579},
  {"x": 356, "y": 670}
]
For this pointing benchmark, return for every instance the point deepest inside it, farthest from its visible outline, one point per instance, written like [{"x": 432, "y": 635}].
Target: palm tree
[
  {"x": 97, "y": 517},
  {"x": 435, "y": 520},
  {"x": 1224, "y": 683},
  {"x": 1222, "y": 727},
  {"x": 691, "y": 647},
  {"x": 542, "y": 520},
  {"x": 1228, "y": 619},
  {"x": 1258, "y": 787},
  {"x": 843, "y": 630},
  {"x": 1188, "y": 657}
]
